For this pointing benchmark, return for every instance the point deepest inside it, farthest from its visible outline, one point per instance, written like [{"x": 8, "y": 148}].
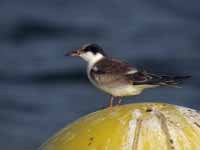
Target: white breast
[{"x": 90, "y": 66}]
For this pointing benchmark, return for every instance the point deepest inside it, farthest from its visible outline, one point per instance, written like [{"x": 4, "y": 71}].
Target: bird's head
[{"x": 89, "y": 52}]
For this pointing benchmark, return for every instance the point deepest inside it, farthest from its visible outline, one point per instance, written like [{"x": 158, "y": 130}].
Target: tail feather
[
  {"x": 172, "y": 80},
  {"x": 152, "y": 79}
]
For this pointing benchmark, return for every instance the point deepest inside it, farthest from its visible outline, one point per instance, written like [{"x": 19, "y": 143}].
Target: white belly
[{"x": 126, "y": 90}]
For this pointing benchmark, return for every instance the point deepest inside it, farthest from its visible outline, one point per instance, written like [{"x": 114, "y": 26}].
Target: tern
[{"x": 118, "y": 78}]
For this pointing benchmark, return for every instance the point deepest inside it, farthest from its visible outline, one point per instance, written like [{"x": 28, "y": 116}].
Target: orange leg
[
  {"x": 111, "y": 101},
  {"x": 119, "y": 100}
]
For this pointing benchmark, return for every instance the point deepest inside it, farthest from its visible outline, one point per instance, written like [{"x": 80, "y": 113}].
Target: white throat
[{"x": 91, "y": 58}]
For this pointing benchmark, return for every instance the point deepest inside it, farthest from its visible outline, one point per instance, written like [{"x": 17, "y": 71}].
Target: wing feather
[
  {"x": 112, "y": 71},
  {"x": 114, "y": 66}
]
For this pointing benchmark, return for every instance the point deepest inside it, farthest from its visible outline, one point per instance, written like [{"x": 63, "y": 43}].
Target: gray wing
[
  {"x": 142, "y": 77},
  {"x": 112, "y": 71},
  {"x": 114, "y": 66}
]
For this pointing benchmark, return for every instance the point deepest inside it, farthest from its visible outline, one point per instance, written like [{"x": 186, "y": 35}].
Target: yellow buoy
[{"x": 144, "y": 126}]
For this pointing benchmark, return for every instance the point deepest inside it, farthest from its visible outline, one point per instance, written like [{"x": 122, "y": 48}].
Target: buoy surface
[{"x": 142, "y": 126}]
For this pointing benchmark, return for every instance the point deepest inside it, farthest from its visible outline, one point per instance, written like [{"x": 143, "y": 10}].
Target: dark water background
[{"x": 41, "y": 90}]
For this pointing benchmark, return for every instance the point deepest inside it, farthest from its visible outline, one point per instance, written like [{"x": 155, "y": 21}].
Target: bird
[{"x": 118, "y": 78}]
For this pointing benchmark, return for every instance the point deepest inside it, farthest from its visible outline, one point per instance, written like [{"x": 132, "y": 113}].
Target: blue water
[{"x": 42, "y": 91}]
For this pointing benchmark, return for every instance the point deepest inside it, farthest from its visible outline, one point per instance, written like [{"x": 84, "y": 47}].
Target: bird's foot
[
  {"x": 119, "y": 100},
  {"x": 111, "y": 102},
  {"x": 118, "y": 103}
]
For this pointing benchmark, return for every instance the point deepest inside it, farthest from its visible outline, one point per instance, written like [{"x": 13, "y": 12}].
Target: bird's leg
[
  {"x": 111, "y": 101},
  {"x": 119, "y": 100}
]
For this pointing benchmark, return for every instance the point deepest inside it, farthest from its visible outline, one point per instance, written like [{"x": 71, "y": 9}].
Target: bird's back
[{"x": 110, "y": 71}]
